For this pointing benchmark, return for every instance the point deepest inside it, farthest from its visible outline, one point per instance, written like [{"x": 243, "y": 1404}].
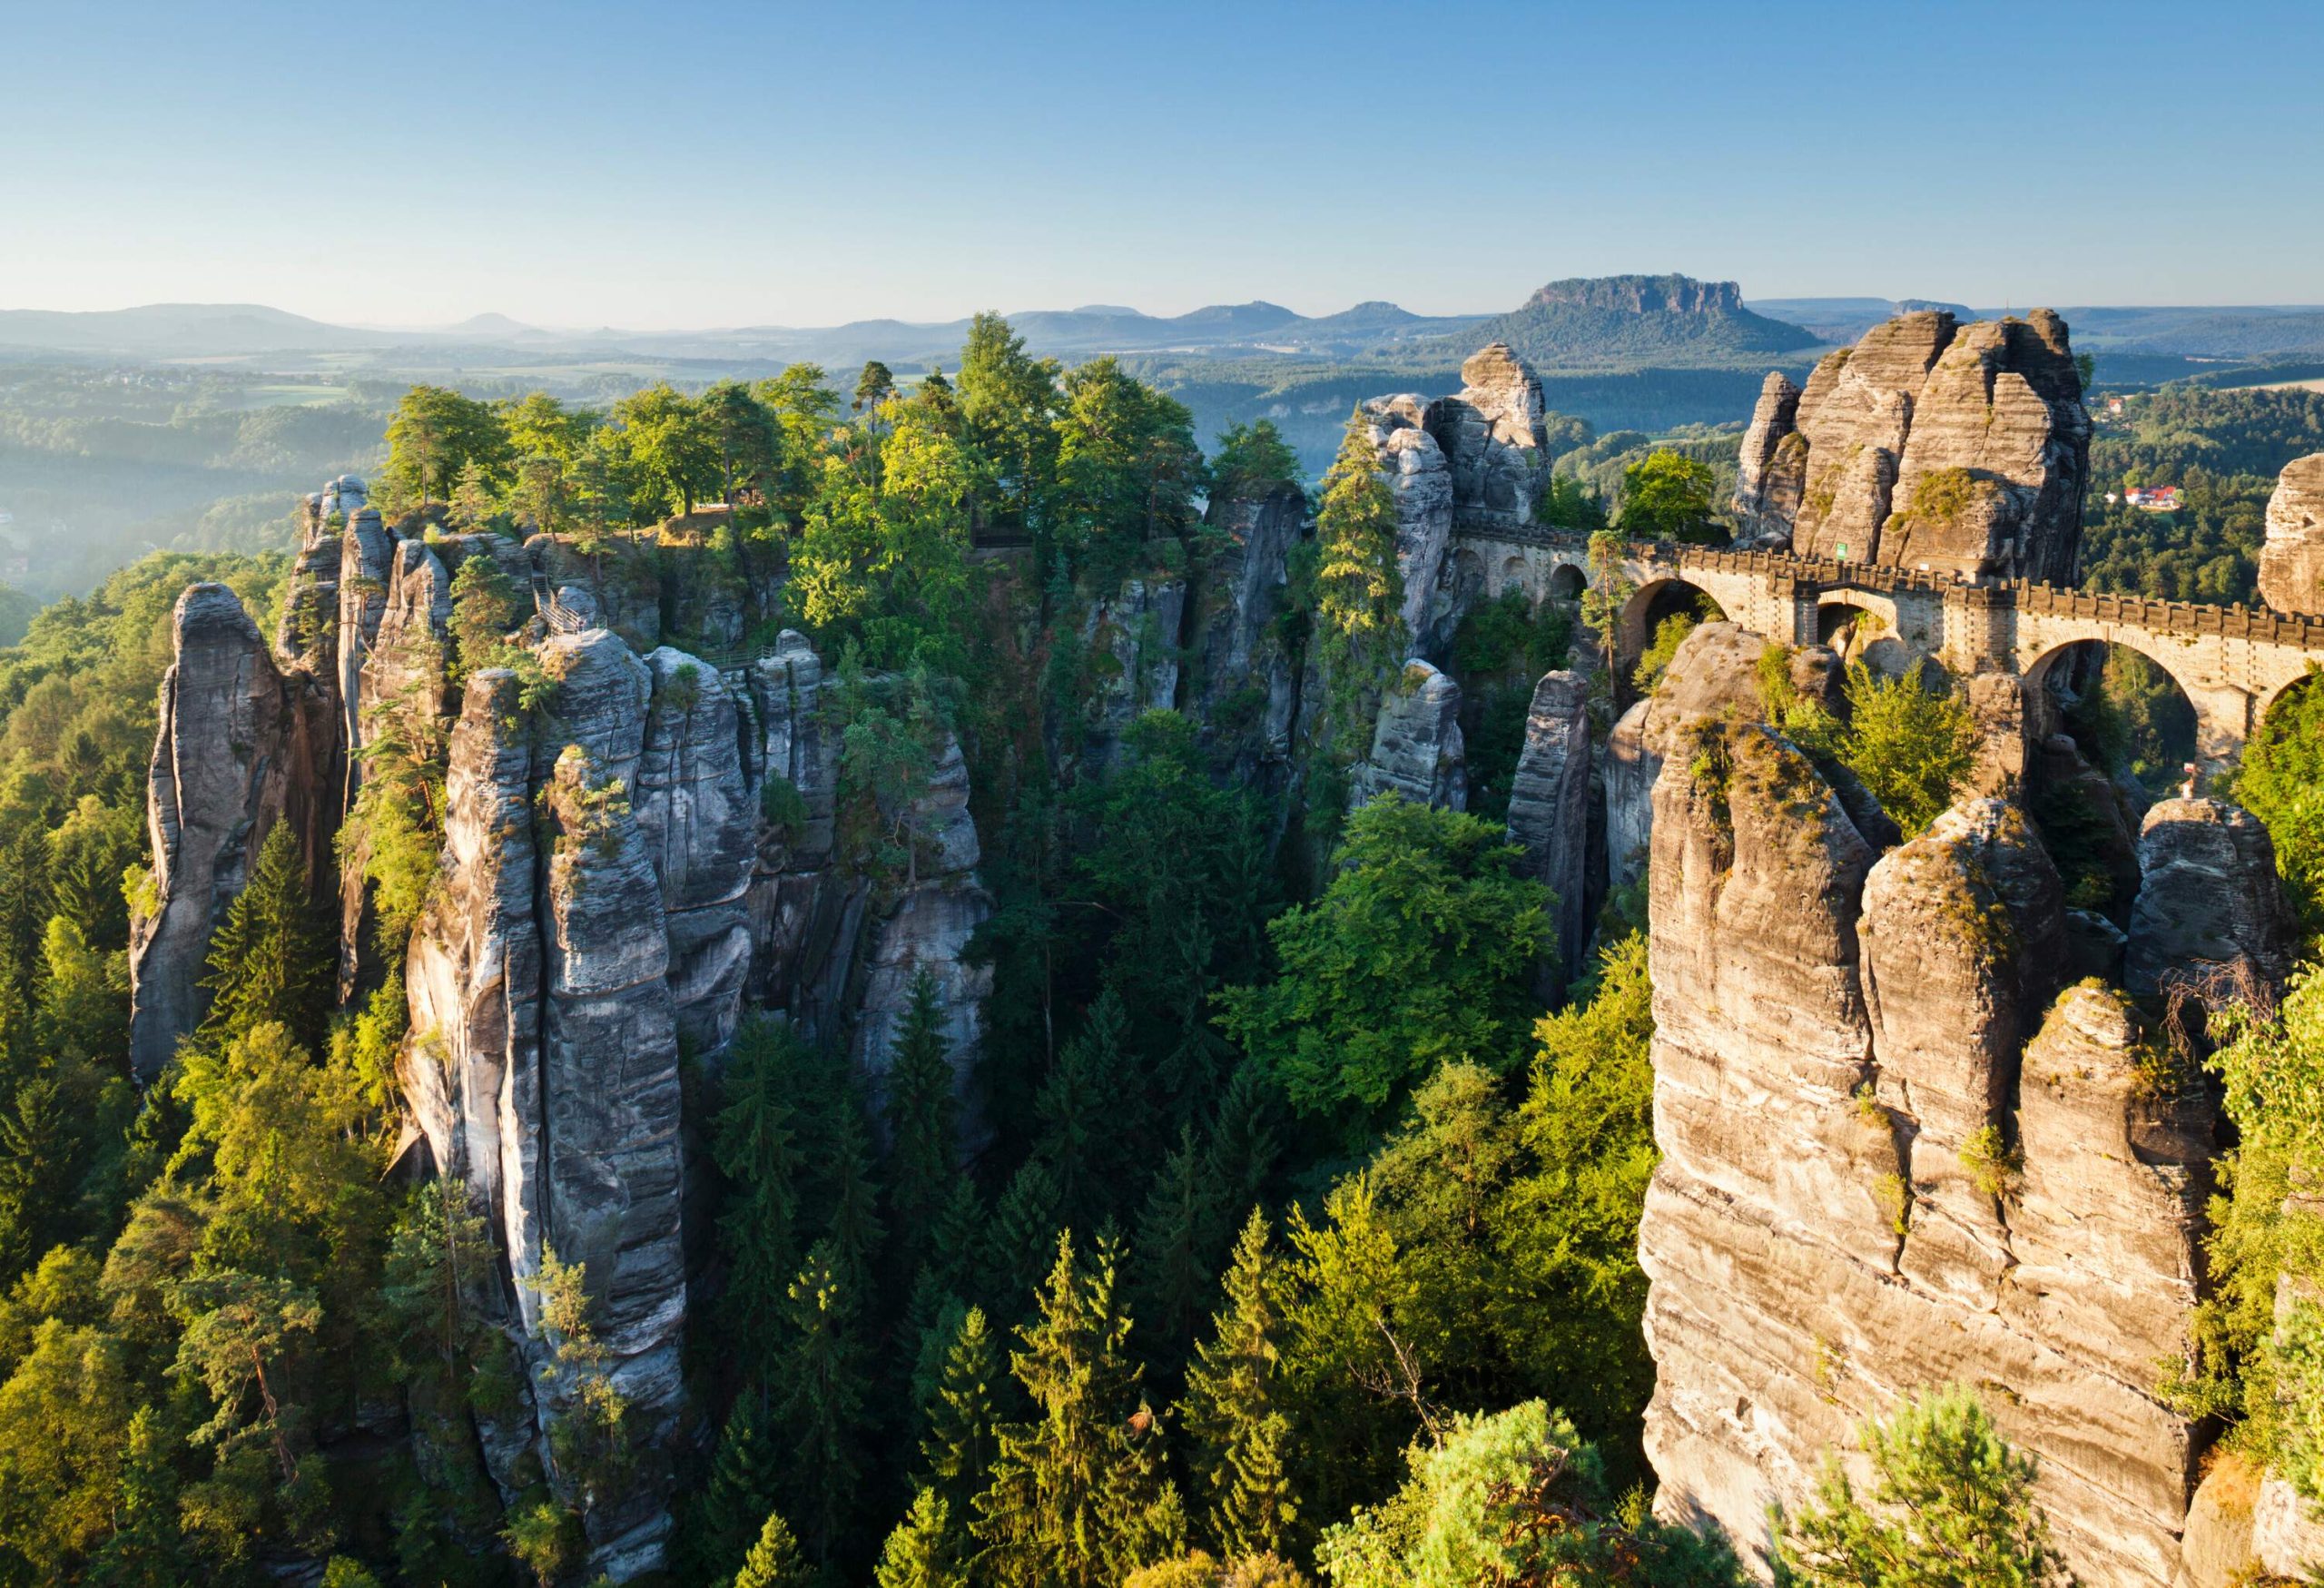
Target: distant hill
[
  {"x": 177, "y": 331},
  {"x": 1842, "y": 319},
  {"x": 1615, "y": 323}
]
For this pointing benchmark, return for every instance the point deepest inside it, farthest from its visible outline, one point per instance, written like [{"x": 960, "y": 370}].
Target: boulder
[
  {"x": 216, "y": 786},
  {"x": 1832, "y": 1036},
  {"x": 1964, "y": 450},
  {"x": 1132, "y": 642},
  {"x": 1494, "y": 439},
  {"x": 2208, "y": 896},
  {"x": 2291, "y": 561}
]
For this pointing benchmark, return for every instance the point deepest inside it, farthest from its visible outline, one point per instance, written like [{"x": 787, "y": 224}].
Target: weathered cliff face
[
  {"x": 1549, "y": 813},
  {"x": 2291, "y": 561},
  {"x": 2207, "y": 895},
  {"x": 794, "y": 912},
  {"x": 1713, "y": 676},
  {"x": 1494, "y": 439},
  {"x": 216, "y": 786},
  {"x": 1244, "y": 686},
  {"x": 1963, "y": 448},
  {"x": 699, "y": 818},
  {"x": 1770, "y": 476},
  {"x": 1131, "y": 640},
  {"x": 1895, "y": 1155},
  {"x": 1422, "y": 479},
  {"x": 926, "y": 928},
  {"x": 1416, "y": 745}
]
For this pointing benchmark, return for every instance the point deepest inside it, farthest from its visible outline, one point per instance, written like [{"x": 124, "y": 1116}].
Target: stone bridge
[{"x": 2232, "y": 662}]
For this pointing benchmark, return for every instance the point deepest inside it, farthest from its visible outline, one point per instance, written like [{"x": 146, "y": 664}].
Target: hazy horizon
[{"x": 731, "y": 166}]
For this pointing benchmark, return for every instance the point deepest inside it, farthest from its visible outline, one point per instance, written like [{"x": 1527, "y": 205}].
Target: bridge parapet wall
[{"x": 2232, "y": 661}]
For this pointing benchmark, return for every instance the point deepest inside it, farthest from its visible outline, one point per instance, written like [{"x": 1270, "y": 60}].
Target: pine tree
[
  {"x": 855, "y": 1231},
  {"x": 957, "y": 1451},
  {"x": 821, "y": 1409},
  {"x": 1178, "y": 1245},
  {"x": 774, "y": 1561},
  {"x": 1358, "y": 587},
  {"x": 1077, "y": 1497},
  {"x": 925, "y": 1551},
  {"x": 1025, "y": 1223},
  {"x": 1232, "y": 1405},
  {"x": 144, "y": 1551},
  {"x": 753, "y": 1146},
  {"x": 745, "y": 1479},
  {"x": 268, "y": 961},
  {"x": 921, "y": 1172},
  {"x": 1089, "y": 1112},
  {"x": 1247, "y": 1140},
  {"x": 955, "y": 1249}
]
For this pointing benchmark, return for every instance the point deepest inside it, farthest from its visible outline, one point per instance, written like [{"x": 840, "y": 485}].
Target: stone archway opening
[
  {"x": 1654, "y": 622},
  {"x": 1566, "y": 582},
  {"x": 1865, "y": 630},
  {"x": 2125, "y": 713}
]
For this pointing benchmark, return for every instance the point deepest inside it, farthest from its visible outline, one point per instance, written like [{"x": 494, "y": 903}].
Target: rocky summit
[{"x": 1928, "y": 444}]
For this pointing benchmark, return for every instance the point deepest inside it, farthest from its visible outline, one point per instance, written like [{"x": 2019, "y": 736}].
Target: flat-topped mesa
[
  {"x": 1928, "y": 444},
  {"x": 2291, "y": 561}
]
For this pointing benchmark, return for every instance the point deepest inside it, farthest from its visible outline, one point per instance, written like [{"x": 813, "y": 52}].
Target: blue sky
[{"x": 677, "y": 164}]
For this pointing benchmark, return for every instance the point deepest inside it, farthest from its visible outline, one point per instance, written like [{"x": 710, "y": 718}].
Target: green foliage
[
  {"x": 753, "y": 1142},
  {"x": 1951, "y": 1506},
  {"x": 1515, "y": 1498},
  {"x": 434, "y": 438},
  {"x": 1078, "y": 1497},
  {"x": 270, "y": 961},
  {"x": 1655, "y": 660},
  {"x": 1419, "y": 952},
  {"x": 821, "y": 1412},
  {"x": 2281, "y": 782},
  {"x": 1565, "y": 503},
  {"x": 1251, "y": 460},
  {"x": 484, "y": 609},
  {"x": 775, "y": 1561},
  {"x": 926, "y": 1550},
  {"x": 1358, "y": 587},
  {"x": 958, "y": 1449},
  {"x": 1241, "y": 1435},
  {"x": 1911, "y": 745},
  {"x": 2256, "y": 1357},
  {"x": 1667, "y": 496}
]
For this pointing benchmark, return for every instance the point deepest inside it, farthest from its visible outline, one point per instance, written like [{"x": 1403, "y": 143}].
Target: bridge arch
[
  {"x": 2222, "y": 715},
  {"x": 1566, "y": 582},
  {"x": 1656, "y": 601}
]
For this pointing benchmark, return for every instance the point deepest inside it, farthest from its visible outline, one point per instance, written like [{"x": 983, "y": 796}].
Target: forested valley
[{"x": 1285, "y": 1228}]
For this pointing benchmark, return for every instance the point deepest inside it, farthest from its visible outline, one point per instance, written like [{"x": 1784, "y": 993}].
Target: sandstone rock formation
[
  {"x": 1712, "y": 677},
  {"x": 1895, "y": 1155},
  {"x": 1422, "y": 479},
  {"x": 217, "y": 784},
  {"x": 1244, "y": 686},
  {"x": 2207, "y": 895},
  {"x": 1963, "y": 448},
  {"x": 699, "y": 818},
  {"x": 1771, "y": 473},
  {"x": 1549, "y": 813},
  {"x": 1416, "y": 745},
  {"x": 2291, "y": 562},
  {"x": 795, "y": 771},
  {"x": 1494, "y": 439},
  {"x": 1132, "y": 640}
]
